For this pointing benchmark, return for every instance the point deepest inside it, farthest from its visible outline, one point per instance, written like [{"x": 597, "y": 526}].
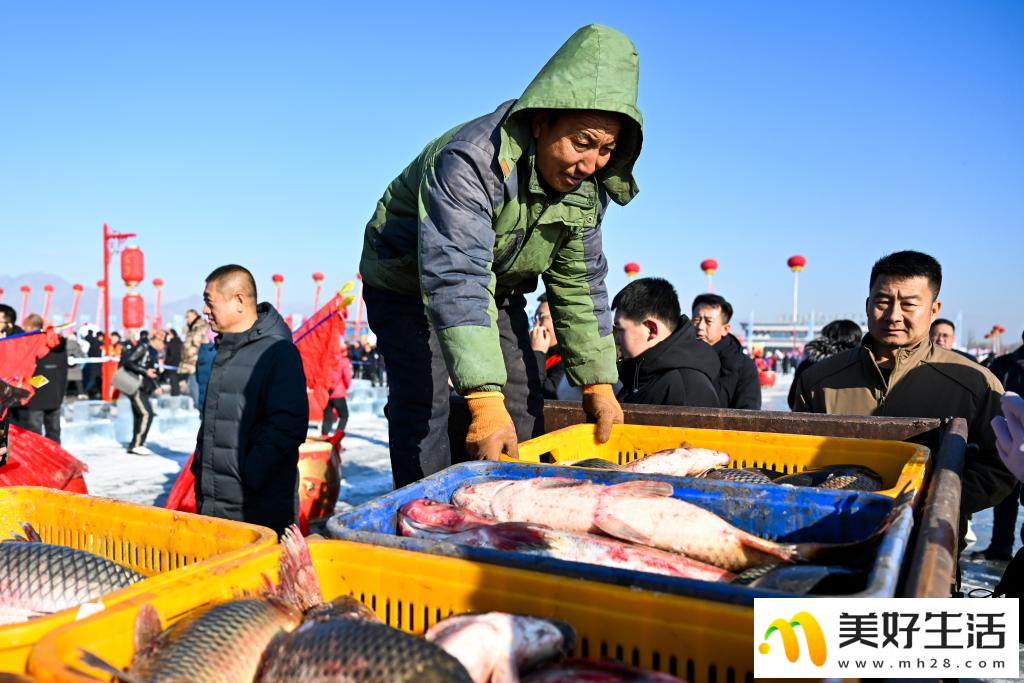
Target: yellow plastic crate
[
  {"x": 695, "y": 639},
  {"x": 899, "y": 463},
  {"x": 149, "y": 540}
]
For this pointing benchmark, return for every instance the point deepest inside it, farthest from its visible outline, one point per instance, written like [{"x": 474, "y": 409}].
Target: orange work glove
[
  {"x": 491, "y": 430},
  {"x": 600, "y": 404}
]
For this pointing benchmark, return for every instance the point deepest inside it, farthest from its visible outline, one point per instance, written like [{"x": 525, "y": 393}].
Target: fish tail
[
  {"x": 95, "y": 662},
  {"x": 298, "y": 584},
  {"x": 789, "y": 552},
  {"x": 31, "y": 535},
  {"x": 826, "y": 551}
]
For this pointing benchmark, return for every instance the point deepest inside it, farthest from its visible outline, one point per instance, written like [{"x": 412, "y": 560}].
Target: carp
[{"x": 41, "y": 578}]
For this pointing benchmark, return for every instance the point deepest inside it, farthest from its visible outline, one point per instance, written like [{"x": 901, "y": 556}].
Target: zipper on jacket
[{"x": 636, "y": 377}]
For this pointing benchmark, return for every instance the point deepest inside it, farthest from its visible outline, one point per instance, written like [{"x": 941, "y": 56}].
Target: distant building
[{"x": 780, "y": 336}]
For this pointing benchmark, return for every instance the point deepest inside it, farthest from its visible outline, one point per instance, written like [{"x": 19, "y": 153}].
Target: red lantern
[
  {"x": 25, "y": 289},
  {"x": 277, "y": 278},
  {"x": 796, "y": 263},
  {"x": 709, "y": 266},
  {"x": 318, "y": 277},
  {"x": 158, "y": 282},
  {"x": 632, "y": 269},
  {"x": 48, "y": 289},
  {"x": 1, "y": 292},
  {"x": 101, "y": 284},
  {"x": 133, "y": 268},
  {"x": 77, "y": 288},
  {"x": 133, "y": 311}
]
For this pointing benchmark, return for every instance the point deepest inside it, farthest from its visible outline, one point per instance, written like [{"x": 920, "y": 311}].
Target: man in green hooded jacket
[{"x": 461, "y": 235}]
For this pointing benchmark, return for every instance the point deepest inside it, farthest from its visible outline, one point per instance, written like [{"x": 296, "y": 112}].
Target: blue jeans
[
  {"x": 193, "y": 390},
  {"x": 418, "y": 391}
]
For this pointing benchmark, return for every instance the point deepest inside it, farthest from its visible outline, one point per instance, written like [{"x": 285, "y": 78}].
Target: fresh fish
[
  {"x": 344, "y": 642},
  {"x": 680, "y": 462},
  {"x": 658, "y": 520},
  {"x": 746, "y": 475},
  {"x": 40, "y": 578},
  {"x": 558, "y": 502},
  {"x": 601, "y": 671},
  {"x": 844, "y": 477},
  {"x": 593, "y": 463},
  {"x": 541, "y": 541},
  {"x": 222, "y": 643},
  {"x": 496, "y": 646},
  {"x": 438, "y": 516}
]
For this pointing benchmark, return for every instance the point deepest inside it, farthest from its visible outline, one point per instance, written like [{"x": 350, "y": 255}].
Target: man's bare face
[
  {"x": 708, "y": 322},
  {"x": 943, "y": 335},
  {"x": 901, "y": 311},
  {"x": 222, "y": 307},
  {"x": 543, "y": 318},
  {"x": 574, "y": 146}
]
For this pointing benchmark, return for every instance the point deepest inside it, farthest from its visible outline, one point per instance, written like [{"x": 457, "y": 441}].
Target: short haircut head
[
  {"x": 543, "y": 298},
  {"x": 845, "y": 332},
  {"x": 233, "y": 274},
  {"x": 9, "y": 313},
  {"x": 714, "y": 301},
  {"x": 33, "y": 321},
  {"x": 903, "y": 265},
  {"x": 649, "y": 297},
  {"x": 943, "y": 321}
]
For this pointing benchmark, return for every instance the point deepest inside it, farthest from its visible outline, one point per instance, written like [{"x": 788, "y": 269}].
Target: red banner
[
  {"x": 319, "y": 344},
  {"x": 18, "y": 356}
]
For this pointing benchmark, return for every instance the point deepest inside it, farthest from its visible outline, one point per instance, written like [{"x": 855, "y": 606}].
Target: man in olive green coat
[{"x": 461, "y": 235}]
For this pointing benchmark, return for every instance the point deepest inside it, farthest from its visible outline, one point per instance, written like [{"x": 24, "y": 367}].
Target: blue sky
[{"x": 263, "y": 133}]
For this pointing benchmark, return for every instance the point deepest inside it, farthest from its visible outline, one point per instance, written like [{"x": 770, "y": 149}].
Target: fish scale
[
  {"x": 222, "y": 644},
  {"x": 358, "y": 651},
  {"x": 42, "y": 577}
]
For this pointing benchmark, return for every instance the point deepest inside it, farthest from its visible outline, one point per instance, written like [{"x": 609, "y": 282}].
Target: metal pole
[
  {"x": 796, "y": 275},
  {"x": 105, "y": 349},
  {"x": 359, "y": 311},
  {"x": 711, "y": 284}
]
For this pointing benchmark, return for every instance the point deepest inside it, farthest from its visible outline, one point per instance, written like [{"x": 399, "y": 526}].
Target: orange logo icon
[{"x": 812, "y": 631}]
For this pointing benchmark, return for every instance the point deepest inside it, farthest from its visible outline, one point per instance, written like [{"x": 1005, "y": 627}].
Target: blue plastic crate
[{"x": 782, "y": 513}]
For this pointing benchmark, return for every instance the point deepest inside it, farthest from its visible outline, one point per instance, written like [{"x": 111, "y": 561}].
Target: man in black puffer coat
[
  {"x": 738, "y": 385},
  {"x": 255, "y": 414},
  {"x": 663, "y": 361}
]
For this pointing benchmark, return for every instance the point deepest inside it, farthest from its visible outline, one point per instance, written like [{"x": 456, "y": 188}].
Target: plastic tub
[{"x": 784, "y": 513}]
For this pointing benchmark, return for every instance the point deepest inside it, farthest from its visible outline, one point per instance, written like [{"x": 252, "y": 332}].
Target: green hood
[{"x": 597, "y": 68}]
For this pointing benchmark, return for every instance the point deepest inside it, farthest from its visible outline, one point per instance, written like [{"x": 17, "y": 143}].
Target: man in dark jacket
[
  {"x": 172, "y": 359},
  {"x": 738, "y": 386},
  {"x": 663, "y": 361},
  {"x": 43, "y": 409},
  {"x": 255, "y": 414}
]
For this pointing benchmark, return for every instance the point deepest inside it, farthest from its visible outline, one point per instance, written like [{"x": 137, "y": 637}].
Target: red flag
[
  {"x": 319, "y": 344},
  {"x": 18, "y": 356},
  {"x": 34, "y": 460}
]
